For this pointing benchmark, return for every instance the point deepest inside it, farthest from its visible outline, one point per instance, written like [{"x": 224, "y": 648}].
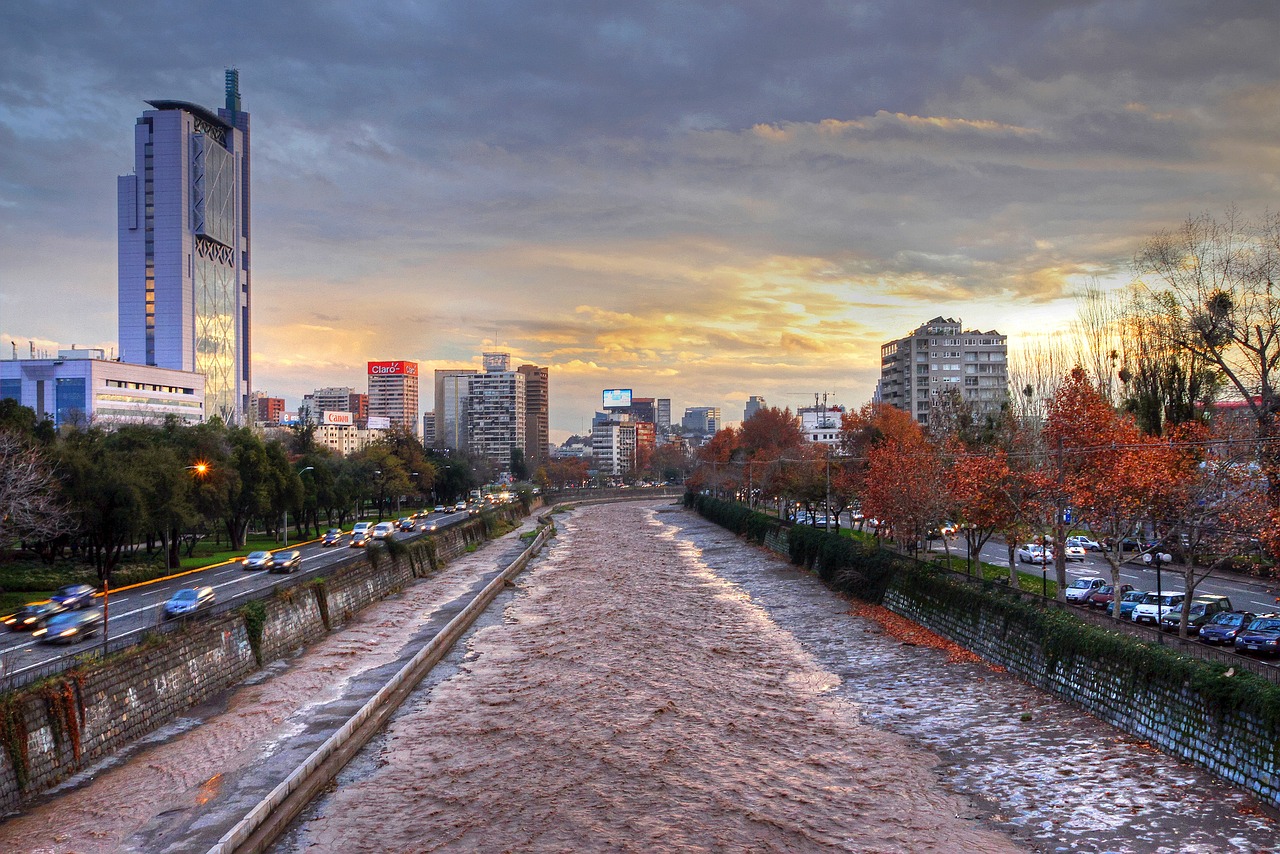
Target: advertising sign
[
  {"x": 617, "y": 398},
  {"x": 379, "y": 422},
  {"x": 382, "y": 369},
  {"x": 346, "y": 419}
]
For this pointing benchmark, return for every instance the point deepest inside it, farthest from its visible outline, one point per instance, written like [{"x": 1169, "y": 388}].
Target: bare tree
[
  {"x": 29, "y": 507},
  {"x": 1036, "y": 370}
]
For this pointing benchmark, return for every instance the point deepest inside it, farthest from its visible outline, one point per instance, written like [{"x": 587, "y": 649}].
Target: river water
[{"x": 657, "y": 685}]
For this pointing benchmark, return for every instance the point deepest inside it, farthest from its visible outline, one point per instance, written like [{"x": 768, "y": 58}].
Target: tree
[
  {"x": 519, "y": 468},
  {"x": 906, "y": 487},
  {"x": 29, "y": 505},
  {"x": 991, "y": 496}
]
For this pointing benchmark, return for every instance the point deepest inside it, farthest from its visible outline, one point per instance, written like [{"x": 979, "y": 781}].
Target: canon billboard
[
  {"x": 346, "y": 419},
  {"x": 384, "y": 369}
]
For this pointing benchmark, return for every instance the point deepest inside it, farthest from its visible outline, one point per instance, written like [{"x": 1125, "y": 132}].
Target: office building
[
  {"x": 335, "y": 399},
  {"x": 184, "y": 248},
  {"x": 663, "y": 412},
  {"x": 537, "y": 414},
  {"x": 80, "y": 387},
  {"x": 428, "y": 429},
  {"x": 754, "y": 404},
  {"x": 940, "y": 357},
  {"x": 393, "y": 395},
  {"x": 703, "y": 420},
  {"x": 451, "y": 407},
  {"x": 496, "y": 415},
  {"x": 269, "y": 410}
]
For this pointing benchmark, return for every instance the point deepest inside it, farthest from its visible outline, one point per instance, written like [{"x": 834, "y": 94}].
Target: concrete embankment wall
[{"x": 51, "y": 730}]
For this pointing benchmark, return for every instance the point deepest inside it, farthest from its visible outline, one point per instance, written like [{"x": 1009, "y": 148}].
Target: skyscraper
[
  {"x": 393, "y": 395},
  {"x": 451, "y": 407},
  {"x": 537, "y": 415},
  {"x": 184, "y": 247},
  {"x": 754, "y": 404}
]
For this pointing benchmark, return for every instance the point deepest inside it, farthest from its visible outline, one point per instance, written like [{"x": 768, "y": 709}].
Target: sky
[{"x": 696, "y": 200}]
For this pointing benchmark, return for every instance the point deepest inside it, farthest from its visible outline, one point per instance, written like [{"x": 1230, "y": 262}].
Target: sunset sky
[{"x": 696, "y": 200}]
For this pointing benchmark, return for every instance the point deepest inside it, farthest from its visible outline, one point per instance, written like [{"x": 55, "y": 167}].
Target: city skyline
[{"x": 698, "y": 202}]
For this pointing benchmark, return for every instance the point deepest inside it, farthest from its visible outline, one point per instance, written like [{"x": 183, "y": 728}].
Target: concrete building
[
  {"x": 537, "y": 415},
  {"x": 941, "y": 356},
  {"x": 393, "y": 394},
  {"x": 703, "y": 420},
  {"x": 821, "y": 423},
  {"x": 269, "y": 410},
  {"x": 80, "y": 387},
  {"x": 452, "y": 388},
  {"x": 754, "y": 404},
  {"x": 335, "y": 399},
  {"x": 428, "y": 429},
  {"x": 662, "y": 411},
  {"x": 613, "y": 444},
  {"x": 496, "y": 415},
  {"x": 184, "y": 248}
]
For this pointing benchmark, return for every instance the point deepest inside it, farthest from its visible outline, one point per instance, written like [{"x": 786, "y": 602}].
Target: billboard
[
  {"x": 379, "y": 422},
  {"x": 617, "y": 398},
  {"x": 382, "y": 369},
  {"x": 346, "y": 419}
]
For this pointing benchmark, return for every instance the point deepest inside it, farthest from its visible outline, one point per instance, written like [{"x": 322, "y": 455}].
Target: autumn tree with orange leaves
[
  {"x": 993, "y": 497},
  {"x": 906, "y": 486}
]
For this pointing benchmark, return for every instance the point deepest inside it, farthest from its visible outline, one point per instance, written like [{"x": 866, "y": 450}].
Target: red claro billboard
[{"x": 383, "y": 369}]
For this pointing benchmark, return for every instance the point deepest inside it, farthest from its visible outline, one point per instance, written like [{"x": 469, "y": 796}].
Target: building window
[
  {"x": 70, "y": 400},
  {"x": 11, "y": 390}
]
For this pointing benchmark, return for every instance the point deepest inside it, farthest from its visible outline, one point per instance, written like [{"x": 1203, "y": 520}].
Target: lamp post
[
  {"x": 968, "y": 548},
  {"x": 286, "y": 510},
  {"x": 1158, "y": 559},
  {"x": 1044, "y": 566}
]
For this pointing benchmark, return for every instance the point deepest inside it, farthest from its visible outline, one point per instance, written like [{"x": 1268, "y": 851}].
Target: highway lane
[{"x": 134, "y": 610}]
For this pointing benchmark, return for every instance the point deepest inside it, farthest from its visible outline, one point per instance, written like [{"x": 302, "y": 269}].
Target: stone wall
[{"x": 52, "y": 730}]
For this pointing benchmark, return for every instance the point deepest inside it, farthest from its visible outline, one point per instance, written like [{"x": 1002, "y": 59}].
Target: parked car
[
  {"x": 405, "y": 524},
  {"x": 1223, "y": 627},
  {"x": 1034, "y": 553},
  {"x": 1081, "y": 589},
  {"x": 1153, "y": 607},
  {"x": 1129, "y": 601},
  {"x": 285, "y": 561},
  {"x": 32, "y": 615},
  {"x": 382, "y": 530},
  {"x": 73, "y": 596},
  {"x": 1201, "y": 609},
  {"x": 188, "y": 601},
  {"x": 1075, "y": 552},
  {"x": 332, "y": 537},
  {"x": 1087, "y": 543},
  {"x": 257, "y": 560},
  {"x": 70, "y": 626},
  {"x": 1106, "y": 594},
  {"x": 1262, "y": 635}
]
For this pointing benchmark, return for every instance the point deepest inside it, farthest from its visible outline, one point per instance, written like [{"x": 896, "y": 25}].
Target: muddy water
[{"x": 635, "y": 700}]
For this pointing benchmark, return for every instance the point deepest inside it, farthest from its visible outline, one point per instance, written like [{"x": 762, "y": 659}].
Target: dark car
[
  {"x": 1260, "y": 635},
  {"x": 406, "y": 524},
  {"x": 188, "y": 601},
  {"x": 73, "y": 596},
  {"x": 359, "y": 539},
  {"x": 70, "y": 626},
  {"x": 32, "y": 615},
  {"x": 257, "y": 560},
  {"x": 285, "y": 561},
  {"x": 1202, "y": 610},
  {"x": 332, "y": 537},
  {"x": 1106, "y": 594},
  {"x": 1224, "y": 626}
]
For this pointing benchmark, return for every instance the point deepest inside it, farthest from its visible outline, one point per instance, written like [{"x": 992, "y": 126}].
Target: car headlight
[{"x": 68, "y": 632}]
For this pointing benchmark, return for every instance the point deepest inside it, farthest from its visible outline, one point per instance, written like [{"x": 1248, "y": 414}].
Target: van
[
  {"x": 382, "y": 530},
  {"x": 361, "y": 530}
]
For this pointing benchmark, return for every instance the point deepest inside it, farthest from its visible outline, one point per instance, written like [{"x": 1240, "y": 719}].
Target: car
[
  {"x": 428, "y": 525},
  {"x": 73, "y": 596},
  {"x": 285, "y": 561},
  {"x": 256, "y": 560},
  {"x": 359, "y": 541},
  {"x": 188, "y": 601},
  {"x": 1087, "y": 543},
  {"x": 1129, "y": 601},
  {"x": 1081, "y": 589},
  {"x": 362, "y": 528},
  {"x": 1034, "y": 553},
  {"x": 439, "y": 508},
  {"x": 382, "y": 530},
  {"x": 70, "y": 626},
  {"x": 1106, "y": 594},
  {"x": 32, "y": 615},
  {"x": 461, "y": 505},
  {"x": 1201, "y": 610},
  {"x": 1262, "y": 634},
  {"x": 405, "y": 524},
  {"x": 1153, "y": 607},
  {"x": 1074, "y": 552},
  {"x": 1223, "y": 627},
  {"x": 332, "y": 537}
]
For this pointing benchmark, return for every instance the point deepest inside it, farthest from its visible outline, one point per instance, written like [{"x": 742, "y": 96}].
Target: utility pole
[{"x": 1060, "y": 531}]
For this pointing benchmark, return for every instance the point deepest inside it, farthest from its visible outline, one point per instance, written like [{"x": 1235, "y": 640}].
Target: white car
[
  {"x": 382, "y": 530},
  {"x": 1075, "y": 552},
  {"x": 1153, "y": 607},
  {"x": 1087, "y": 543},
  {"x": 1034, "y": 553},
  {"x": 1081, "y": 589}
]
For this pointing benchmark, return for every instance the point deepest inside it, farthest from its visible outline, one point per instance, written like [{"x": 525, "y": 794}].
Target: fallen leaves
[{"x": 902, "y": 629}]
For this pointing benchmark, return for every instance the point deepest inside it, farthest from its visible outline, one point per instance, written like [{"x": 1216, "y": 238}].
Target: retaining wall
[{"x": 53, "y": 729}]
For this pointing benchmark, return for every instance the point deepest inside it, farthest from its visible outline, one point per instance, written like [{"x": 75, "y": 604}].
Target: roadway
[{"x": 138, "y": 608}]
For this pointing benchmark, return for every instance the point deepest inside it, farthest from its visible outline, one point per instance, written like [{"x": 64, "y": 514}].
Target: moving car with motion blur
[
  {"x": 359, "y": 539},
  {"x": 32, "y": 615},
  {"x": 332, "y": 537},
  {"x": 1034, "y": 553},
  {"x": 382, "y": 530},
  {"x": 73, "y": 596},
  {"x": 405, "y": 524},
  {"x": 70, "y": 626},
  {"x": 257, "y": 560},
  {"x": 285, "y": 561},
  {"x": 188, "y": 601}
]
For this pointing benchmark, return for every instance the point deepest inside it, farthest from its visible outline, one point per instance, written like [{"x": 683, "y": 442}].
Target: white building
[
  {"x": 81, "y": 386},
  {"x": 613, "y": 445},
  {"x": 496, "y": 415},
  {"x": 821, "y": 424},
  {"x": 939, "y": 357}
]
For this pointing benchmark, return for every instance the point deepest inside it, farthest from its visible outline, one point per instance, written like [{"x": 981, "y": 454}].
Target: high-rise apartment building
[
  {"x": 428, "y": 430},
  {"x": 393, "y": 394},
  {"x": 941, "y": 357},
  {"x": 270, "y": 409},
  {"x": 754, "y": 404},
  {"x": 537, "y": 414},
  {"x": 496, "y": 415},
  {"x": 452, "y": 387},
  {"x": 613, "y": 444},
  {"x": 184, "y": 249},
  {"x": 663, "y": 412}
]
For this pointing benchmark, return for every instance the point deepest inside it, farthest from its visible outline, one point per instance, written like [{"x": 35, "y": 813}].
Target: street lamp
[
  {"x": 199, "y": 468},
  {"x": 1158, "y": 559}
]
